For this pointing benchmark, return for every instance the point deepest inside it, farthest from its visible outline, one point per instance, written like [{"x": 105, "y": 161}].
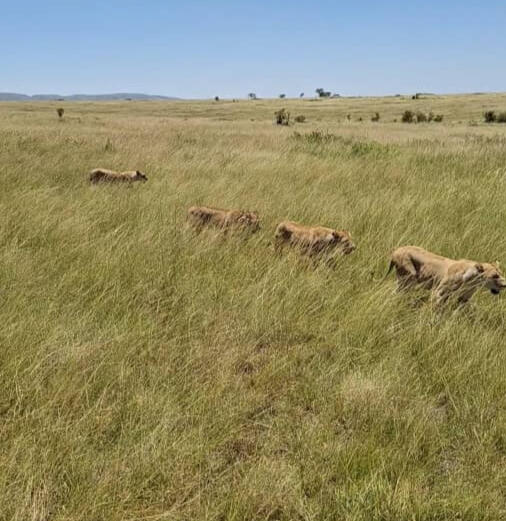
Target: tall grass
[{"x": 149, "y": 373}]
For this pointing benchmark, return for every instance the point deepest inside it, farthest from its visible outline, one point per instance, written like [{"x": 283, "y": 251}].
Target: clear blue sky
[{"x": 198, "y": 48}]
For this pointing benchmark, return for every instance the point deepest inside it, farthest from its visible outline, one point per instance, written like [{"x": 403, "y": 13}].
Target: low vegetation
[
  {"x": 490, "y": 116},
  {"x": 152, "y": 373},
  {"x": 501, "y": 117},
  {"x": 408, "y": 116},
  {"x": 282, "y": 117},
  {"x": 420, "y": 117}
]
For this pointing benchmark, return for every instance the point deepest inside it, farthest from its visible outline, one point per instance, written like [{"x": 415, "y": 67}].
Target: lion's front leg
[{"x": 446, "y": 288}]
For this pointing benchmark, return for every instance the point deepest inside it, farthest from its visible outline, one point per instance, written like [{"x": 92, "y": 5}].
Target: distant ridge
[{"x": 14, "y": 96}]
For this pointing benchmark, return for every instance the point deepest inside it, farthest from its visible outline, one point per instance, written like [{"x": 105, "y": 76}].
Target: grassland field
[{"x": 148, "y": 373}]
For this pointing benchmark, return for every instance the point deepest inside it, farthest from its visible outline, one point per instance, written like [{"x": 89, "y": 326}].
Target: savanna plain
[{"x": 151, "y": 373}]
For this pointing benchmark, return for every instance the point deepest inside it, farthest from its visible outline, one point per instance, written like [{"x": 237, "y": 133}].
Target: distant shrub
[
  {"x": 282, "y": 117},
  {"x": 348, "y": 117},
  {"x": 489, "y": 116},
  {"x": 324, "y": 143},
  {"x": 395, "y": 120},
  {"x": 421, "y": 117},
  {"x": 501, "y": 117},
  {"x": 438, "y": 118},
  {"x": 376, "y": 117},
  {"x": 282, "y": 96},
  {"x": 317, "y": 137},
  {"x": 216, "y": 98},
  {"x": 60, "y": 111},
  {"x": 322, "y": 93},
  {"x": 361, "y": 119},
  {"x": 408, "y": 116},
  {"x": 300, "y": 119}
]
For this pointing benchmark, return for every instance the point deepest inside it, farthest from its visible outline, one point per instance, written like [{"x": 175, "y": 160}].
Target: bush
[
  {"x": 489, "y": 116},
  {"x": 408, "y": 116},
  {"x": 421, "y": 117},
  {"x": 216, "y": 98},
  {"x": 282, "y": 117},
  {"x": 348, "y": 117},
  {"x": 501, "y": 117},
  {"x": 317, "y": 137},
  {"x": 300, "y": 119},
  {"x": 376, "y": 117},
  {"x": 60, "y": 112},
  {"x": 438, "y": 118}
]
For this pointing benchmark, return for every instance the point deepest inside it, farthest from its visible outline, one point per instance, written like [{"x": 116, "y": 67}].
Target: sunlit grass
[{"x": 151, "y": 373}]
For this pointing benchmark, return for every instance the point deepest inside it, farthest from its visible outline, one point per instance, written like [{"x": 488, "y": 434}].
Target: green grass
[{"x": 151, "y": 374}]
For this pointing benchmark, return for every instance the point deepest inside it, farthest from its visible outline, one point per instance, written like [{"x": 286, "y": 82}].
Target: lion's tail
[{"x": 390, "y": 267}]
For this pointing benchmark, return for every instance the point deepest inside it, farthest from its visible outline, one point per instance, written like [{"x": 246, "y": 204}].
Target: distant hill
[{"x": 13, "y": 96}]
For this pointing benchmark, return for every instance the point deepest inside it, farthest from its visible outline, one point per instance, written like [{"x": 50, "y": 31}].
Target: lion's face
[
  {"x": 250, "y": 220},
  {"x": 344, "y": 240},
  {"x": 494, "y": 279},
  {"x": 139, "y": 176}
]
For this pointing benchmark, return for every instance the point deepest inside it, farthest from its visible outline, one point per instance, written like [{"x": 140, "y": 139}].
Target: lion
[
  {"x": 445, "y": 277},
  {"x": 225, "y": 220},
  {"x": 313, "y": 241},
  {"x": 102, "y": 175}
]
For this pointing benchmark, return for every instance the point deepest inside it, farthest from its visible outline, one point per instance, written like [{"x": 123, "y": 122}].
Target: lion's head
[
  {"x": 250, "y": 220},
  {"x": 139, "y": 176},
  {"x": 343, "y": 239},
  {"x": 492, "y": 277}
]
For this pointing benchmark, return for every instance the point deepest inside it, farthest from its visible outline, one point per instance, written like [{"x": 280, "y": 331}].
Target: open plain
[{"x": 151, "y": 373}]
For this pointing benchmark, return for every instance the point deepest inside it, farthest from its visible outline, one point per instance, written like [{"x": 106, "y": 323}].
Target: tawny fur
[
  {"x": 446, "y": 277},
  {"x": 313, "y": 240},
  {"x": 102, "y": 175},
  {"x": 201, "y": 216}
]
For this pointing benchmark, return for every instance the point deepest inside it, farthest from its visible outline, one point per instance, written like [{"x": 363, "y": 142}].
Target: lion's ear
[
  {"x": 337, "y": 236},
  {"x": 480, "y": 267}
]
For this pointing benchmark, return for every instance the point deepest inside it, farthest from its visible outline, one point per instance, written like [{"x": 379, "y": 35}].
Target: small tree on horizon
[
  {"x": 322, "y": 93},
  {"x": 301, "y": 95},
  {"x": 252, "y": 95},
  {"x": 282, "y": 96}
]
